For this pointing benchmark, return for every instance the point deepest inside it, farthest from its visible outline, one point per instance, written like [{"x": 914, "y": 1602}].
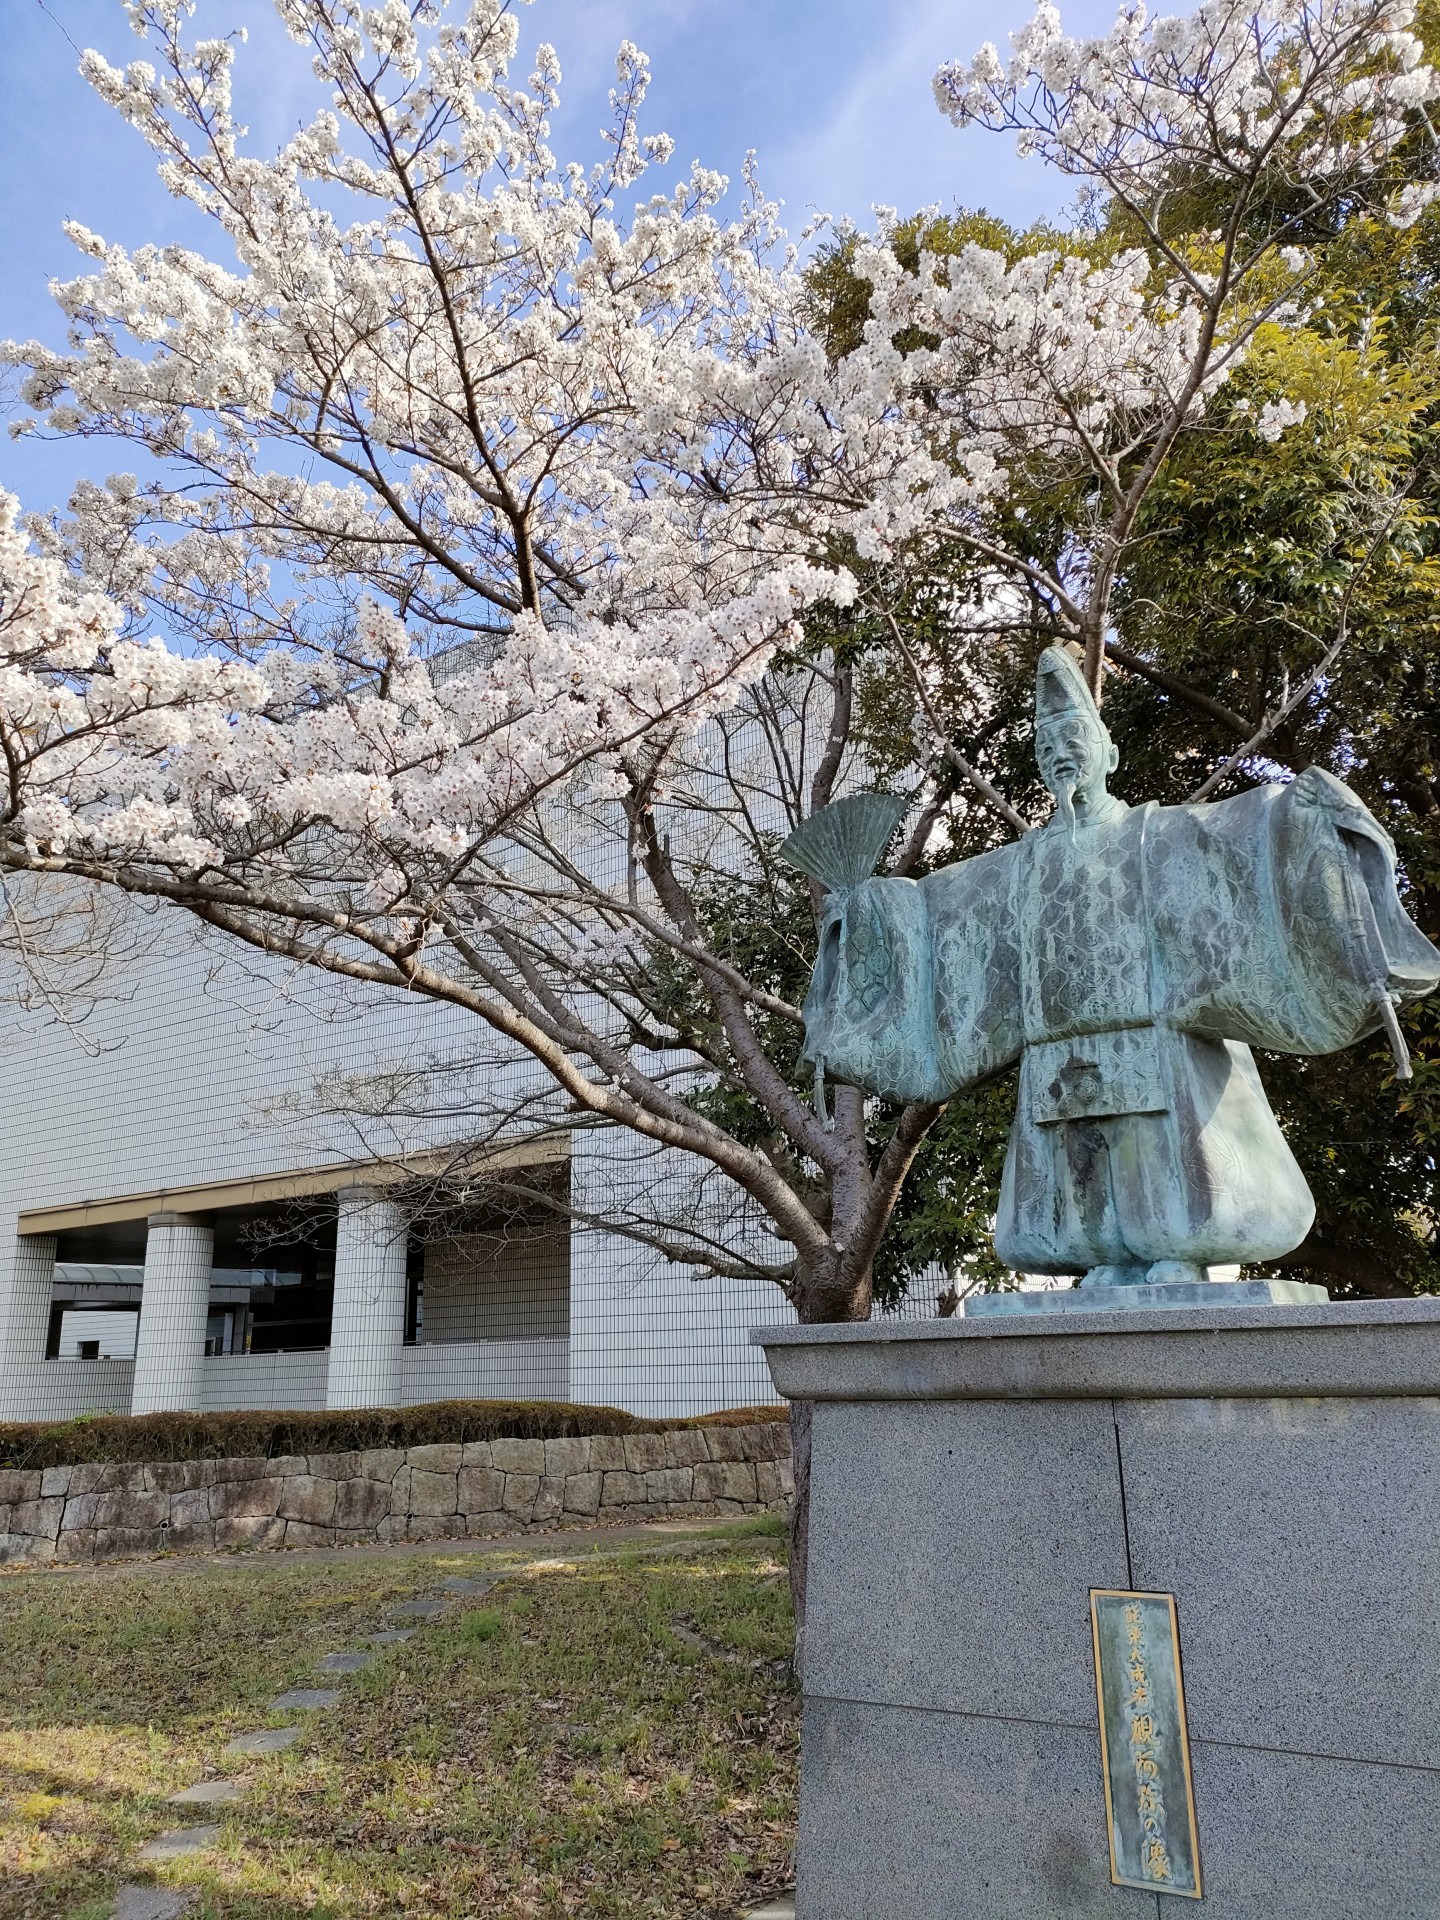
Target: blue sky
[{"x": 833, "y": 94}]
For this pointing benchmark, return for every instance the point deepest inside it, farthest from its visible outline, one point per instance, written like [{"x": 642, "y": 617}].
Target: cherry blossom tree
[{"x": 487, "y": 607}]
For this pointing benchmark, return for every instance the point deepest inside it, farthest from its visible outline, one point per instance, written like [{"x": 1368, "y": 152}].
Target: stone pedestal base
[
  {"x": 1185, "y": 1293},
  {"x": 1277, "y": 1469}
]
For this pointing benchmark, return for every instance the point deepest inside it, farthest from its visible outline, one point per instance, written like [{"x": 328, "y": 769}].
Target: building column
[
  {"x": 174, "y": 1307},
  {"x": 367, "y": 1322},
  {"x": 25, "y": 1323}
]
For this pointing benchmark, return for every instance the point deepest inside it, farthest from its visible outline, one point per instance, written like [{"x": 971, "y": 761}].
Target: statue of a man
[{"x": 1129, "y": 958}]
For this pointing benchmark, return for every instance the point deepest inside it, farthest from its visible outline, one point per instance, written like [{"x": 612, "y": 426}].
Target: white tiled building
[{"x": 172, "y": 1236}]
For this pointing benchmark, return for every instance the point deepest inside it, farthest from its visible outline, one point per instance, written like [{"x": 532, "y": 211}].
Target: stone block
[
  {"x": 25, "y": 1549},
  {"x": 115, "y": 1476},
  {"x": 38, "y": 1517},
  {"x": 18, "y": 1486},
  {"x": 582, "y": 1492},
  {"x": 304, "y": 1498},
  {"x": 85, "y": 1477},
  {"x": 435, "y": 1526},
  {"x": 476, "y": 1453},
  {"x": 191, "y": 1508},
  {"x": 480, "y": 1526},
  {"x": 55, "y": 1480},
  {"x": 520, "y": 1492},
  {"x": 725, "y": 1480},
  {"x": 80, "y": 1510},
  {"x": 193, "y": 1536},
  {"x": 685, "y": 1447},
  {"x": 75, "y": 1547},
  {"x": 128, "y": 1509},
  {"x": 549, "y": 1499},
  {"x": 342, "y": 1466},
  {"x": 300, "y": 1533},
  {"x": 435, "y": 1459},
  {"x": 248, "y": 1499},
  {"x": 757, "y": 1442},
  {"x": 875, "y": 1779},
  {"x": 644, "y": 1452},
  {"x": 607, "y": 1453},
  {"x": 1045, "y": 1521},
  {"x": 767, "y": 1483},
  {"x": 361, "y": 1504},
  {"x": 519, "y": 1456},
  {"x": 432, "y": 1494},
  {"x": 400, "y": 1492},
  {"x": 1338, "y": 1504},
  {"x": 251, "y": 1530},
  {"x": 165, "y": 1476},
  {"x": 481, "y": 1489},
  {"x": 724, "y": 1443},
  {"x": 1358, "y": 1841},
  {"x": 380, "y": 1463},
  {"x": 200, "y": 1473},
  {"x": 119, "y": 1543},
  {"x": 786, "y": 1470},
  {"x": 285, "y": 1465},
  {"x": 623, "y": 1490},
  {"x": 244, "y": 1467},
  {"x": 564, "y": 1457},
  {"x": 664, "y": 1484}
]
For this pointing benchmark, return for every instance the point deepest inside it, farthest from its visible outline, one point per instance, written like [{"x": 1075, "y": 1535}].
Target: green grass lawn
[{"x": 612, "y": 1736}]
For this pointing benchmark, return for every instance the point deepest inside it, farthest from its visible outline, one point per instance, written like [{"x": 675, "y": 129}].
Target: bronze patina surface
[{"x": 1128, "y": 957}]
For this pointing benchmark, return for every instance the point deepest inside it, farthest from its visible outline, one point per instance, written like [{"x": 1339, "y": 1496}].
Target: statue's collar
[{"x": 1104, "y": 813}]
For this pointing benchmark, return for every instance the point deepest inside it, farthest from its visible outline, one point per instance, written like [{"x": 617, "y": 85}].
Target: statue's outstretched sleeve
[
  {"x": 1277, "y": 920},
  {"x": 916, "y": 989}
]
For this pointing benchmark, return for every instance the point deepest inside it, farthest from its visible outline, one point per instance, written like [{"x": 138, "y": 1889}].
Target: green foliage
[{"x": 120, "y": 1438}]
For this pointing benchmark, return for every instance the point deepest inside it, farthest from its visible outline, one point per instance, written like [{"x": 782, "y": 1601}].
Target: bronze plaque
[{"x": 1144, "y": 1746}]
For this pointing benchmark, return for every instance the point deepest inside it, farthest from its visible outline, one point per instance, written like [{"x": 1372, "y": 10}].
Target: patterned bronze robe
[{"x": 1129, "y": 968}]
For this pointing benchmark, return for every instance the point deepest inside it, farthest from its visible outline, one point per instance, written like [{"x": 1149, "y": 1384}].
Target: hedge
[{"x": 115, "y": 1438}]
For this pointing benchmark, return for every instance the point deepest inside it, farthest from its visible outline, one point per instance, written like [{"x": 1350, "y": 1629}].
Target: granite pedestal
[{"x": 1276, "y": 1468}]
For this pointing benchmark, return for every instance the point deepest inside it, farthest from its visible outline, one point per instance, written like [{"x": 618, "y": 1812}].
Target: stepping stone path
[
  {"x": 777, "y": 1910},
  {"x": 270, "y": 1740},
  {"x": 308, "y": 1698},
  {"x": 170, "y": 1903},
  {"x": 209, "y": 1793},
  {"x": 153, "y": 1903},
  {"x": 169, "y": 1846}
]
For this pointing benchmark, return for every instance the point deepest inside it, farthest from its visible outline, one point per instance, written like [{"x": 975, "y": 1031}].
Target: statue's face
[{"x": 1074, "y": 759}]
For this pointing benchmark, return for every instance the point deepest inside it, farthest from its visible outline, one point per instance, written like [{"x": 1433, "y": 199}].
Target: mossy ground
[{"x": 611, "y": 1735}]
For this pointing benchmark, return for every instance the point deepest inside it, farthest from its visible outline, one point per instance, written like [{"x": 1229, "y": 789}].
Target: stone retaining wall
[{"x": 70, "y": 1515}]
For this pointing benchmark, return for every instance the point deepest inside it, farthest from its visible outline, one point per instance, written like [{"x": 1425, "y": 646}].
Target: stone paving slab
[
  {"x": 209, "y": 1793},
  {"x": 777, "y": 1910},
  {"x": 152, "y": 1903},
  {"x": 268, "y": 1740},
  {"x": 308, "y": 1698},
  {"x": 182, "y": 1840},
  {"x": 345, "y": 1663},
  {"x": 393, "y": 1636},
  {"x": 419, "y": 1609}
]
